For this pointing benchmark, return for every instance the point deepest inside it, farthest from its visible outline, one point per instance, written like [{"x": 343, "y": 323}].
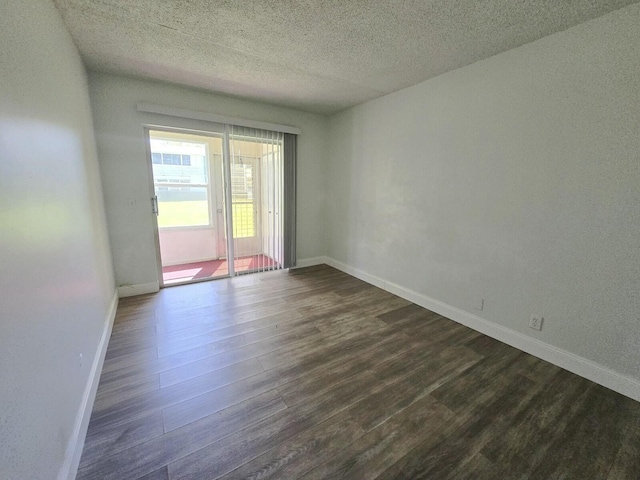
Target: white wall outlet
[
  {"x": 80, "y": 360},
  {"x": 535, "y": 322},
  {"x": 478, "y": 303}
]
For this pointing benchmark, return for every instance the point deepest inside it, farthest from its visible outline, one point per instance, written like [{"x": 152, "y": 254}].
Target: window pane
[
  {"x": 241, "y": 181},
  {"x": 183, "y": 207},
  {"x": 181, "y": 163},
  {"x": 242, "y": 197},
  {"x": 243, "y": 219}
]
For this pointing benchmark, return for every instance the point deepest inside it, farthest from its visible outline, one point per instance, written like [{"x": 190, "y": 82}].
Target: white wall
[
  {"x": 179, "y": 246},
  {"x": 515, "y": 180},
  {"x": 125, "y": 171},
  {"x": 56, "y": 282}
]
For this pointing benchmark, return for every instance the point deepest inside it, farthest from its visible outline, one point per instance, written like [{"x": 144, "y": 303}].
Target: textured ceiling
[{"x": 315, "y": 55}]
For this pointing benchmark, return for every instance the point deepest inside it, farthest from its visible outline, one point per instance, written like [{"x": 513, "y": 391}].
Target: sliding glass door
[
  {"x": 189, "y": 200},
  {"x": 218, "y": 199}
]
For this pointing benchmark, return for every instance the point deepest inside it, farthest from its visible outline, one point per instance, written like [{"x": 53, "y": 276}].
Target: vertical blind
[
  {"x": 262, "y": 196},
  {"x": 289, "y": 195}
]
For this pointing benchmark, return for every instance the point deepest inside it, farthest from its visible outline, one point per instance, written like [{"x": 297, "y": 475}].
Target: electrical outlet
[
  {"x": 80, "y": 360},
  {"x": 479, "y": 304},
  {"x": 535, "y": 322}
]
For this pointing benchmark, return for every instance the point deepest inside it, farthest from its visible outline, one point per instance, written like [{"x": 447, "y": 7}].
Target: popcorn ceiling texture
[{"x": 319, "y": 56}]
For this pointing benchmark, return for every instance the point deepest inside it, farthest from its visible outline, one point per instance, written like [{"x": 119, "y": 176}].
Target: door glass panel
[
  {"x": 182, "y": 206},
  {"x": 181, "y": 181},
  {"x": 191, "y": 223}
]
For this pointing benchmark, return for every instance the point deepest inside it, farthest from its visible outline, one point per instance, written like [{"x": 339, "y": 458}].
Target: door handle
[{"x": 154, "y": 205}]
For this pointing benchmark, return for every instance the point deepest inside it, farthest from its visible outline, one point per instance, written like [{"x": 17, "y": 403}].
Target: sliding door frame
[
  {"x": 218, "y": 131},
  {"x": 228, "y": 199},
  {"x": 225, "y": 132},
  {"x": 152, "y": 195}
]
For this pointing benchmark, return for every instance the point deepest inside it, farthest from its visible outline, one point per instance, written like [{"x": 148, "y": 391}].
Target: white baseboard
[
  {"x": 76, "y": 442},
  {"x": 581, "y": 366},
  {"x": 309, "y": 262},
  {"x": 139, "y": 289}
]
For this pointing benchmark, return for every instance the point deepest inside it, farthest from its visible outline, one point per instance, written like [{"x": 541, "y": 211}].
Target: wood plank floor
[{"x": 314, "y": 374}]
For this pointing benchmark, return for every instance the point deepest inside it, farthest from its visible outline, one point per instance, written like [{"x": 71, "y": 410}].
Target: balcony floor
[{"x": 187, "y": 272}]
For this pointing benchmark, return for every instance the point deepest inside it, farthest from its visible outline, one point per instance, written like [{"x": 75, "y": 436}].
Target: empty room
[{"x": 319, "y": 240}]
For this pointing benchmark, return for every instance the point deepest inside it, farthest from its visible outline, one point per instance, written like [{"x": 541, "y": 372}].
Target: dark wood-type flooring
[{"x": 314, "y": 374}]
